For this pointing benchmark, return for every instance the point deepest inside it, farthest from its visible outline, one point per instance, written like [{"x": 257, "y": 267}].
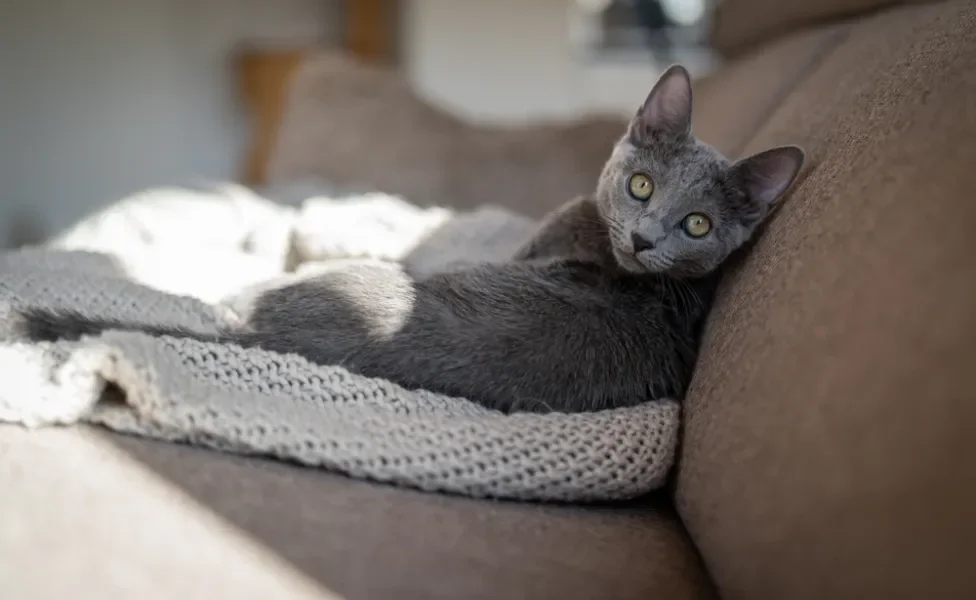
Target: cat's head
[{"x": 673, "y": 204}]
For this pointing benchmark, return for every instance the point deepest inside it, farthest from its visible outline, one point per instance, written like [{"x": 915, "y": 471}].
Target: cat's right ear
[{"x": 666, "y": 113}]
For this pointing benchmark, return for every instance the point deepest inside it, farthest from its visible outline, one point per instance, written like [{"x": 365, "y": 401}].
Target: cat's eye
[
  {"x": 640, "y": 186},
  {"x": 697, "y": 225}
]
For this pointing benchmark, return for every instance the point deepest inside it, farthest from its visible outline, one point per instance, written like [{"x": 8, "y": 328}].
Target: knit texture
[{"x": 253, "y": 402}]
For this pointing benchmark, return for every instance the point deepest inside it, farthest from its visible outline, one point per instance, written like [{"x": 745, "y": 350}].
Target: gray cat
[{"x": 602, "y": 308}]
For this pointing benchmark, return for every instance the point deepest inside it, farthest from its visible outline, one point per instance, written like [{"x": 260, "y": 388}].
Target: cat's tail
[{"x": 39, "y": 325}]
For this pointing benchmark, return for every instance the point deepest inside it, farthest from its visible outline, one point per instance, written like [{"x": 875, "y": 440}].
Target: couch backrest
[
  {"x": 740, "y": 24},
  {"x": 354, "y": 124},
  {"x": 830, "y": 433},
  {"x": 732, "y": 103}
]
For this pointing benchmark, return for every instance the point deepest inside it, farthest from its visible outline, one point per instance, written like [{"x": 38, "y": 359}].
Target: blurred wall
[
  {"x": 99, "y": 98},
  {"x": 507, "y": 61}
]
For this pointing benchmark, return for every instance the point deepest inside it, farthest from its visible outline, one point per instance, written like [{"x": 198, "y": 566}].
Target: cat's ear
[
  {"x": 767, "y": 175},
  {"x": 667, "y": 110}
]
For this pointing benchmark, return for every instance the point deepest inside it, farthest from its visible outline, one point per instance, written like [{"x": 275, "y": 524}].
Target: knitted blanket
[{"x": 254, "y": 402}]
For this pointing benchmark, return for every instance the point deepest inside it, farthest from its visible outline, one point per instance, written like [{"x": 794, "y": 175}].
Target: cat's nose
[{"x": 641, "y": 242}]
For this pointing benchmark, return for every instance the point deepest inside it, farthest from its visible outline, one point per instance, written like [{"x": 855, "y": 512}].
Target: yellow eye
[
  {"x": 697, "y": 225},
  {"x": 640, "y": 186}
]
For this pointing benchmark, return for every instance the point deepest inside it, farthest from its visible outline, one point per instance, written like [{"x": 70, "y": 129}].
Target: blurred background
[{"x": 104, "y": 98}]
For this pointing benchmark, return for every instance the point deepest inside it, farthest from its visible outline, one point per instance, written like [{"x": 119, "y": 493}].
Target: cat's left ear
[
  {"x": 764, "y": 177},
  {"x": 667, "y": 110}
]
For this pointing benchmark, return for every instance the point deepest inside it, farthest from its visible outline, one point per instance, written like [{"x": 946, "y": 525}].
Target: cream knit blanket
[{"x": 178, "y": 256}]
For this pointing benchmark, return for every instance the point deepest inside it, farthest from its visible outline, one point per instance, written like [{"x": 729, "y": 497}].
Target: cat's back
[{"x": 556, "y": 331}]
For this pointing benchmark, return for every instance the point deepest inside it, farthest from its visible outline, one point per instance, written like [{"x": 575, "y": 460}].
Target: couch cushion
[
  {"x": 830, "y": 433},
  {"x": 81, "y": 520},
  {"x": 740, "y": 24},
  {"x": 363, "y": 540}
]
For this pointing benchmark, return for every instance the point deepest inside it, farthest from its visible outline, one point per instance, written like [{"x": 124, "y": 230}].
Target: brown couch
[{"x": 830, "y": 432}]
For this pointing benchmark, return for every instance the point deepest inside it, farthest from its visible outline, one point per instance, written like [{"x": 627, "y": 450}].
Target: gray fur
[{"x": 576, "y": 321}]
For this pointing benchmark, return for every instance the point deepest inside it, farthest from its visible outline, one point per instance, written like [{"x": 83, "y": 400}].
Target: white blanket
[{"x": 179, "y": 256}]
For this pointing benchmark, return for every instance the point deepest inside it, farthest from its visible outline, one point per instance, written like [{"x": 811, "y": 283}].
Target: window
[{"x": 666, "y": 31}]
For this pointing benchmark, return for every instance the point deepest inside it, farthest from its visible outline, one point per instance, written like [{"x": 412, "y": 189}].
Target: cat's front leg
[{"x": 572, "y": 230}]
